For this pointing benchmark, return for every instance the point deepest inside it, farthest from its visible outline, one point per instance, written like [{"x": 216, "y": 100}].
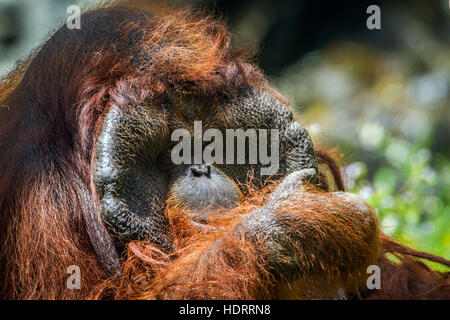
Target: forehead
[
  {"x": 123, "y": 27},
  {"x": 194, "y": 106}
]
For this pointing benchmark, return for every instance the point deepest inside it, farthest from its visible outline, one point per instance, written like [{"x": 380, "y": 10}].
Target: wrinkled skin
[
  {"x": 133, "y": 182},
  {"x": 85, "y": 129},
  {"x": 133, "y": 186}
]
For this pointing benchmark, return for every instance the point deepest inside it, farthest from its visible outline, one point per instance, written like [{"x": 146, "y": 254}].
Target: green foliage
[
  {"x": 388, "y": 113},
  {"x": 411, "y": 191}
]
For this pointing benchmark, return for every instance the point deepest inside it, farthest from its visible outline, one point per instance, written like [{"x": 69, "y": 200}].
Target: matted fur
[{"x": 51, "y": 110}]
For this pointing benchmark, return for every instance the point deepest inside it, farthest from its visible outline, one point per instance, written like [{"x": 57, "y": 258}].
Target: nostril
[
  {"x": 196, "y": 172},
  {"x": 201, "y": 170}
]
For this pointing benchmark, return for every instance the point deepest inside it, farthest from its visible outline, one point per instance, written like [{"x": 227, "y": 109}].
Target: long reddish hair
[
  {"x": 186, "y": 273},
  {"x": 409, "y": 278},
  {"x": 51, "y": 110}
]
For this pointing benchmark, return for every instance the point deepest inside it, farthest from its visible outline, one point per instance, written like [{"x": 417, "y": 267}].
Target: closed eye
[{"x": 164, "y": 160}]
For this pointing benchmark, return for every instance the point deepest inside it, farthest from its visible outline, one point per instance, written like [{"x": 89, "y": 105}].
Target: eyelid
[
  {"x": 164, "y": 159},
  {"x": 171, "y": 145}
]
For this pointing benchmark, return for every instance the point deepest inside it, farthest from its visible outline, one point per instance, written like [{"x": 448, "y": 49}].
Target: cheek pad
[
  {"x": 254, "y": 108},
  {"x": 131, "y": 188}
]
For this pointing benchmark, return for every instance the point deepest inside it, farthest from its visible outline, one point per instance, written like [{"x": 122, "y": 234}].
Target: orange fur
[
  {"x": 49, "y": 122},
  {"x": 217, "y": 263}
]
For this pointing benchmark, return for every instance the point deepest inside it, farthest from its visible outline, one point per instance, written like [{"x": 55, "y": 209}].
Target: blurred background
[{"x": 380, "y": 96}]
